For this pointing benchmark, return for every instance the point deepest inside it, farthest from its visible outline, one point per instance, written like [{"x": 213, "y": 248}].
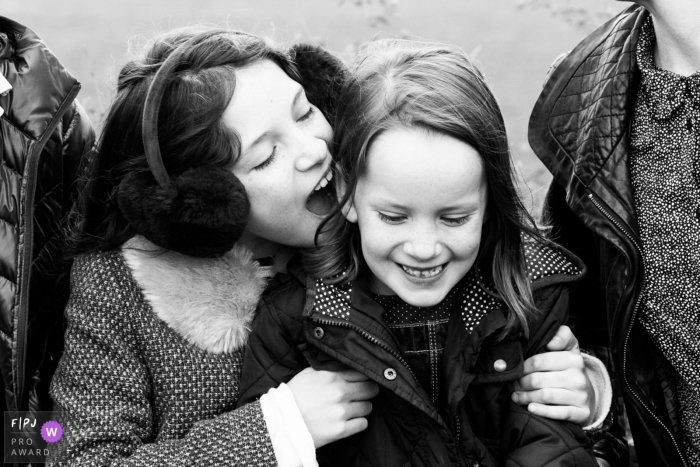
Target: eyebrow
[
  {"x": 263, "y": 136},
  {"x": 461, "y": 208}
]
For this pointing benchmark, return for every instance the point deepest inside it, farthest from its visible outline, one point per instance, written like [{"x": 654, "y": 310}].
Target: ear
[{"x": 350, "y": 212}]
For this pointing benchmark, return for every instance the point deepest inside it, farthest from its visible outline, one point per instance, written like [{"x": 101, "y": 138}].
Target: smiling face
[
  {"x": 420, "y": 208},
  {"x": 284, "y": 155}
]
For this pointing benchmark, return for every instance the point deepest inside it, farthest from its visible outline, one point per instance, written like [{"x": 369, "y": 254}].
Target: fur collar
[{"x": 210, "y": 302}]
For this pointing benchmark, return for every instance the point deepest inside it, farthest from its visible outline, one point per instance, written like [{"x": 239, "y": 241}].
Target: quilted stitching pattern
[{"x": 599, "y": 98}]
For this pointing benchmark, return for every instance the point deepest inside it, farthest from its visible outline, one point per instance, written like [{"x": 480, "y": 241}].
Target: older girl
[{"x": 161, "y": 298}]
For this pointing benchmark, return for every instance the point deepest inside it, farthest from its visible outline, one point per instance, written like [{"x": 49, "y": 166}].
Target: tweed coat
[{"x": 152, "y": 360}]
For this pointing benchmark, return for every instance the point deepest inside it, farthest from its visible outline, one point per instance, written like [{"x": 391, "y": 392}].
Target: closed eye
[
  {"x": 267, "y": 161},
  {"x": 307, "y": 115},
  {"x": 391, "y": 219},
  {"x": 455, "y": 221}
]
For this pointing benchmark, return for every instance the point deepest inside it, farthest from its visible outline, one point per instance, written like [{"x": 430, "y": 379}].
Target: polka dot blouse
[{"x": 665, "y": 173}]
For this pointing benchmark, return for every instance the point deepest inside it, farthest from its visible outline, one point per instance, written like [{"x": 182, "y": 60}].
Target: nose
[
  {"x": 311, "y": 152},
  {"x": 424, "y": 244}
]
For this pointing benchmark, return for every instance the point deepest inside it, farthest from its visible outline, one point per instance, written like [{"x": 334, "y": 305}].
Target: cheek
[
  {"x": 466, "y": 244},
  {"x": 268, "y": 191},
  {"x": 376, "y": 239},
  {"x": 322, "y": 129}
]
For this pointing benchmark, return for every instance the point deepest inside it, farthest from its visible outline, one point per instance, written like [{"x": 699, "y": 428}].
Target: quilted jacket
[
  {"x": 580, "y": 129},
  {"x": 304, "y": 322},
  {"x": 44, "y": 134},
  {"x": 151, "y": 369}
]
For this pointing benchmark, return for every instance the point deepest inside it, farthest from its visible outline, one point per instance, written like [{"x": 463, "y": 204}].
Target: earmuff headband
[{"x": 151, "y": 109}]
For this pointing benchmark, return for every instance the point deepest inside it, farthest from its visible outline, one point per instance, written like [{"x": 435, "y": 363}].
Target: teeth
[
  {"x": 423, "y": 273},
  {"x": 324, "y": 181}
]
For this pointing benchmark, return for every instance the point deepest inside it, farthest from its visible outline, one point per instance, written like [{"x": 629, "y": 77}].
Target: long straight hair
[{"x": 437, "y": 88}]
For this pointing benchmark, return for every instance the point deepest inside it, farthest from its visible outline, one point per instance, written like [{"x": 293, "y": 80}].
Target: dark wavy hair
[
  {"x": 191, "y": 131},
  {"x": 434, "y": 87}
]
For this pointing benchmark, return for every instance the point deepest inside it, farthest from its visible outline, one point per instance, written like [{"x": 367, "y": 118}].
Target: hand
[
  {"x": 333, "y": 404},
  {"x": 554, "y": 384}
]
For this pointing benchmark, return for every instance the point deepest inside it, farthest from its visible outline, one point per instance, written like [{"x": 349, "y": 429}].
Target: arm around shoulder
[{"x": 272, "y": 356}]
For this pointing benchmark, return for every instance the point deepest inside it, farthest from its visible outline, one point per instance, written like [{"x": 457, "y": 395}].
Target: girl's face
[
  {"x": 420, "y": 208},
  {"x": 284, "y": 156}
]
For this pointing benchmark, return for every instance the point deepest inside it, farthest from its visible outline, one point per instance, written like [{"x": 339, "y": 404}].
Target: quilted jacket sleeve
[
  {"x": 273, "y": 355},
  {"x": 107, "y": 415},
  {"x": 531, "y": 440}
]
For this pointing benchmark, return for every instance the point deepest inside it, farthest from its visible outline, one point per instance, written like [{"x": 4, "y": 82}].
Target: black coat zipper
[
  {"x": 398, "y": 356},
  {"x": 24, "y": 261},
  {"x": 629, "y": 330},
  {"x": 370, "y": 338}
]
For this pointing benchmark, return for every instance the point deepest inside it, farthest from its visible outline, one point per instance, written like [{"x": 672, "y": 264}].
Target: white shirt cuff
[
  {"x": 602, "y": 388},
  {"x": 291, "y": 440}
]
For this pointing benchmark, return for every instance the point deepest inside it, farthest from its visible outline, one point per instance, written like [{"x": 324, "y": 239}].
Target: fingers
[
  {"x": 554, "y": 361},
  {"x": 358, "y": 409},
  {"x": 551, "y": 396},
  {"x": 352, "y": 376},
  {"x": 363, "y": 391},
  {"x": 568, "y": 413},
  {"x": 353, "y": 427},
  {"x": 573, "y": 380},
  {"x": 564, "y": 339}
]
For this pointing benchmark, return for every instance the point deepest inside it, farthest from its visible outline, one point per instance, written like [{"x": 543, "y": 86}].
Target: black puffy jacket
[
  {"x": 44, "y": 134},
  {"x": 580, "y": 129},
  {"x": 305, "y": 323}
]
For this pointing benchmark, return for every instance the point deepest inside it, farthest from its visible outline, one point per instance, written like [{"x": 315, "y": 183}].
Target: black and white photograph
[{"x": 350, "y": 233}]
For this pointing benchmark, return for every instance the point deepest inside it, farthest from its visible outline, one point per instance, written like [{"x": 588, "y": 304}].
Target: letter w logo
[{"x": 52, "y": 431}]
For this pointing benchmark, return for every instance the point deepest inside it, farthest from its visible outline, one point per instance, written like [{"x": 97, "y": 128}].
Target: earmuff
[{"x": 201, "y": 212}]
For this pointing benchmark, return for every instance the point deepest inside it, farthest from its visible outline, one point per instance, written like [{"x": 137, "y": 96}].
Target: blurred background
[{"x": 515, "y": 41}]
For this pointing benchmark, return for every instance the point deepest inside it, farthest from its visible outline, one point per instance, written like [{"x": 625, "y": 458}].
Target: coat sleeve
[
  {"x": 531, "y": 440},
  {"x": 273, "y": 355},
  {"x": 106, "y": 413}
]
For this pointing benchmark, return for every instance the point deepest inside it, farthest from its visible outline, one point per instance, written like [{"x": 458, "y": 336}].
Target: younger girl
[{"x": 437, "y": 286}]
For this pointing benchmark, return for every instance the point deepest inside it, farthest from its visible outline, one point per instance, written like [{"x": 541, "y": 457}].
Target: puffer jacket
[
  {"x": 580, "y": 129},
  {"x": 151, "y": 369},
  {"x": 44, "y": 134},
  {"x": 304, "y": 322}
]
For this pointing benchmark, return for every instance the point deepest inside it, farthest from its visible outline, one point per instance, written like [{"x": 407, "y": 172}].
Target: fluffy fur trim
[
  {"x": 210, "y": 302},
  {"x": 322, "y": 75}
]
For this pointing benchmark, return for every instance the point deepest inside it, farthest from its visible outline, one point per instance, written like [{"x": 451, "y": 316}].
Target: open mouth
[
  {"x": 322, "y": 199},
  {"x": 423, "y": 273}
]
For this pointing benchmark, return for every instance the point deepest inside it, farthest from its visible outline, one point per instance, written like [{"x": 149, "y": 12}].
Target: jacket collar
[
  {"x": 41, "y": 86},
  {"x": 483, "y": 315},
  {"x": 579, "y": 127},
  {"x": 209, "y": 302}
]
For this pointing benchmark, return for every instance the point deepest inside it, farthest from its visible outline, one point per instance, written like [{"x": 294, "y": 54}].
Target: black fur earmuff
[
  {"x": 201, "y": 212},
  {"x": 322, "y": 75}
]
